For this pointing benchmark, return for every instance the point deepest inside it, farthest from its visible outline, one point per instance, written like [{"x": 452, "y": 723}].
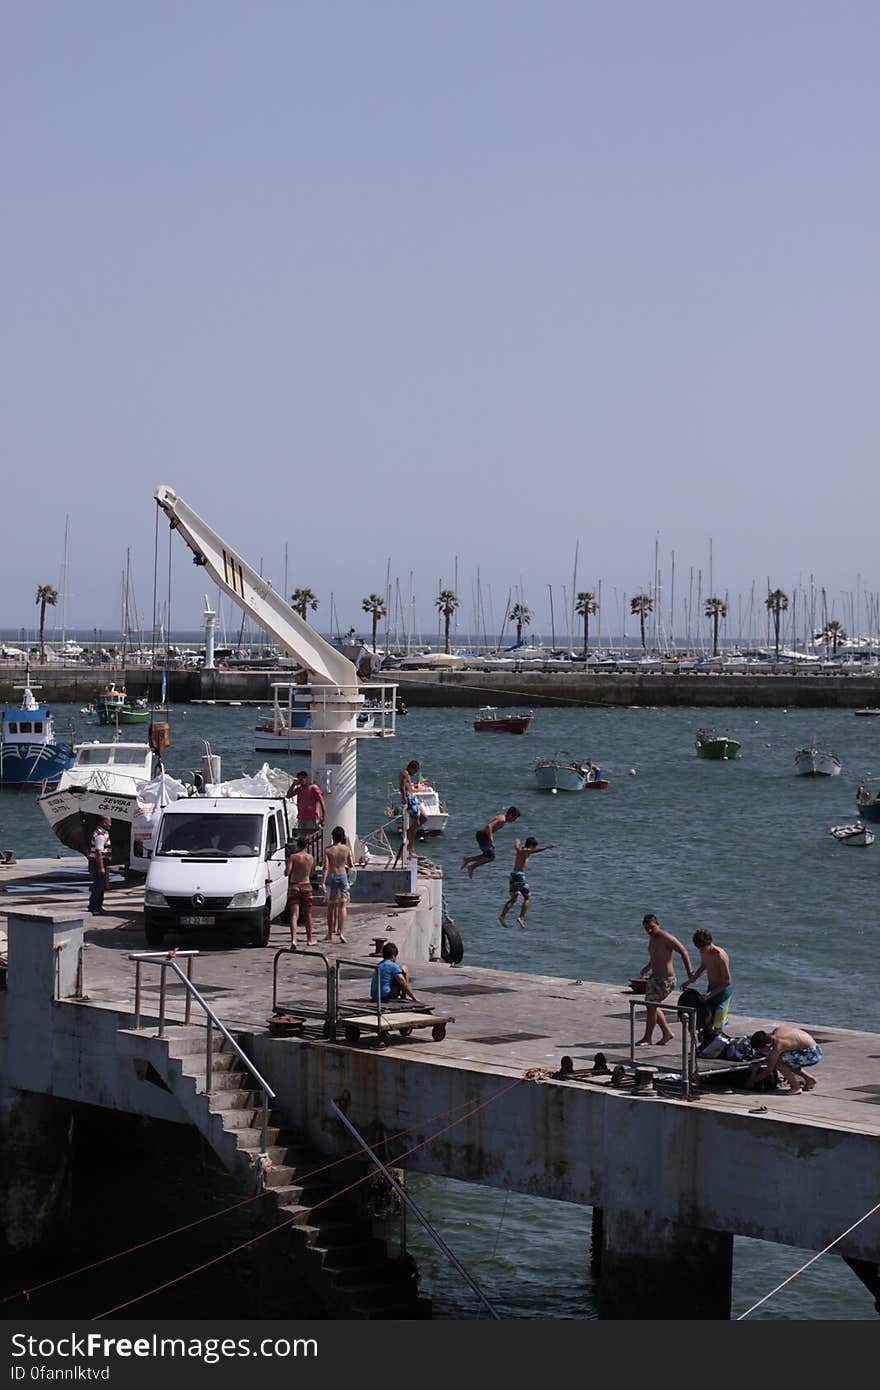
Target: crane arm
[{"x": 269, "y": 610}]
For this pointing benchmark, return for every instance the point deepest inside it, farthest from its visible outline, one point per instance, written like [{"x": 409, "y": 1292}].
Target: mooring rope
[{"x": 809, "y": 1262}]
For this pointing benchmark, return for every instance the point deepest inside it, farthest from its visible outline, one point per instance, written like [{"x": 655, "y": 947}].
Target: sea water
[{"x": 740, "y": 847}]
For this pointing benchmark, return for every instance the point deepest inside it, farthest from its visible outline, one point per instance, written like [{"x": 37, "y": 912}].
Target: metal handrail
[
  {"x": 688, "y": 1037},
  {"x": 330, "y": 1014},
  {"x": 374, "y": 969},
  {"x": 166, "y": 961},
  {"x": 408, "y": 1202}
]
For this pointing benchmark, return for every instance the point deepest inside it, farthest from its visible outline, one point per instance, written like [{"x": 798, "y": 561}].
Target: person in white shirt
[{"x": 99, "y": 866}]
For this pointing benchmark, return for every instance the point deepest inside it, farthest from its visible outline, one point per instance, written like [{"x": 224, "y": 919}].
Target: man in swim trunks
[
  {"x": 298, "y": 868},
  {"x": 789, "y": 1049},
  {"x": 414, "y": 814},
  {"x": 486, "y": 839},
  {"x": 659, "y": 976},
  {"x": 517, "y": 884},
  {"x": 716, "y": 964},
  {"x": 335, "y": 884}
]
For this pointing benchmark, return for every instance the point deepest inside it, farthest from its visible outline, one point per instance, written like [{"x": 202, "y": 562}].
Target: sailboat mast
[{"x": 552, "y": 623}]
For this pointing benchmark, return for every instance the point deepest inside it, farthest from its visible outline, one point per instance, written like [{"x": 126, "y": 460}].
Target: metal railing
[
  {"x": 687, "y": 1017},
  {"x": 330, "y": 1016},
  {"x": 167, "y": 962}
]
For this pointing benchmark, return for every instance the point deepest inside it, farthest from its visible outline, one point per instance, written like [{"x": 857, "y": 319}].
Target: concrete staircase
[{"x": 330, "y": 1244}]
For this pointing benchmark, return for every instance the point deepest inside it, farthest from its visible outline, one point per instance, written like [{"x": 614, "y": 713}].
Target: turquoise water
[{"x": 742, "y": 848}]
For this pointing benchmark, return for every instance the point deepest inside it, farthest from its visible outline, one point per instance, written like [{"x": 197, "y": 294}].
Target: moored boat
[
  {"x": 856, "y": 834},
  {"x": 719, "y": 747},
  {"x": 30, "y": 754},
  {"x": 436, "y": 814},
  {"x": 816, "y": 762},
  {"x": 489, "y": 720},
  {"x": 108, "y": 701},
  {"x": 868, "y": 799},
  {"x": 565, "y": 774}
]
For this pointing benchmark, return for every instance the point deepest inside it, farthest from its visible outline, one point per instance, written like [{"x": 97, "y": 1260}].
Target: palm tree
[
  {"x": 447, "y": 601},
  {"x": 833, "y": 632},
  {"x": 641, "y": 604},
  {"x": 301, "y": 600},
  {"x": 585, "y": 605},
  {"x": 715, "y": 608},
  {"x": 776, "y": 603},
  {"x": 521, "y": 615},
  {"x": 47, "y": 597},
  {"x": 375, "y": 605}
]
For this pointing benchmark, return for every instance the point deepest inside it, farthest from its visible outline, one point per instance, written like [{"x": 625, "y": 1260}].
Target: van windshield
[{"x": 223, "y": 837}]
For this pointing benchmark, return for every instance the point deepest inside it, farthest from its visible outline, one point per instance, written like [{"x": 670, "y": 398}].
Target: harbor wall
[{"x": 470, "y": 689}]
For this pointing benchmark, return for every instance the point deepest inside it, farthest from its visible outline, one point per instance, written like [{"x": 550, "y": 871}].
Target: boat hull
[
  {"x": 32, "y": 764},
  {"x": 720, "y": 750},
  {"x": 858, "y": 835},
  {"x": 512, "y": 724},
  {"x": 74, "y": 813},
  {"x": 813, "y": 762},
  {"x": 556, "y": 777}
]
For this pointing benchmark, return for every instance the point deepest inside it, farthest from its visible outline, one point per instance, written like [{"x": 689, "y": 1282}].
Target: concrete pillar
[
  {"x": 210, "y": 625},
  {"x": 45, "y": 952},
  {"x": 662, "y": 1269},
  {"x": 334, "y": 753}
]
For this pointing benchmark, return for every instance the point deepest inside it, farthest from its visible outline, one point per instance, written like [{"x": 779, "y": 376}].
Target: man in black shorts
[{"x": 486, "y": 839}]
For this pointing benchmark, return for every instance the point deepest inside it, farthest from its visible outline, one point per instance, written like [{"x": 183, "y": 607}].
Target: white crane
[{"x": 333, "y": 698}]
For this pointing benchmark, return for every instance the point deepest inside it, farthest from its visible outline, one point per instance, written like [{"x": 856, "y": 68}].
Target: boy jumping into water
[
  {"x": 518, "y": 884},
  {"x": 486, "y": 839}
]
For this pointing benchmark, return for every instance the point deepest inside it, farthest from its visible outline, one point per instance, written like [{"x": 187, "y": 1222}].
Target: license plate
[{"x": 197, "y": 921}]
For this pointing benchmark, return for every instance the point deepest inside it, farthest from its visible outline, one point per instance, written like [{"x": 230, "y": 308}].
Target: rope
[
  {"x": 530, "y": 695},
  {"x": 811, "y": 1261}
]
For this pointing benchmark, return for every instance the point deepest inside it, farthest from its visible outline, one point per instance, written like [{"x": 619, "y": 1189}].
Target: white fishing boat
[
  {"x": 104, "y": 781},
  {"x": 816, "y": 762},
  {"x": 436, "y": 814},
  {"x": 565, "y": 774},
  {"x": 856, "y": 834}
]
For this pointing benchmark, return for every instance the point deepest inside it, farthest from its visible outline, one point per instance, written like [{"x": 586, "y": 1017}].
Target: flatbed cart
[{"x": 383, "y": 1018}]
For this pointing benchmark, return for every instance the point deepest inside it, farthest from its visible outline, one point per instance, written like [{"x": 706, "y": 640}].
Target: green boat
[
  {"x": 132, "y": 714},
  {"x": 717, "y": 746}
]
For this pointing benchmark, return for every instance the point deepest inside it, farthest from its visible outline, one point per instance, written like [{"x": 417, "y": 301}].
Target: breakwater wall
[{"x": 525, "y": 689}]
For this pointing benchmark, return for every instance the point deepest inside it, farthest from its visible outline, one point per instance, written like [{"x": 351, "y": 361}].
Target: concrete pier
[{"x": 674, "y": 1179}]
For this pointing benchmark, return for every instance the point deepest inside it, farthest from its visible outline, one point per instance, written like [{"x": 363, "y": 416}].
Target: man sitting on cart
[{"x": 389, "y": 978}]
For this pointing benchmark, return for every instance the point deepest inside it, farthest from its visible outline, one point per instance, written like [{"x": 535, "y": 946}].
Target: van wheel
[{"x": 261, "y": 937}]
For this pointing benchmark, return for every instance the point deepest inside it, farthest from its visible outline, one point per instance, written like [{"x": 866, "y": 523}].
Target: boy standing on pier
[
  {"x": 486, "y": 839},
  {"x": 518, "y": 884},
  {"x": 659, "y": 976},
  {"x": 298, "y": 868},
  {"x": 716, "y": 964}
]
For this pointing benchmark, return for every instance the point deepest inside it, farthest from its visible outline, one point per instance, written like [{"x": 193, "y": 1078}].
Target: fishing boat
[
  {"x": 108, "y": 701},
  {"x": 856, "y": 834},
  {"x": 867, "y": 713},
  {"x": 816, "y": 762},
  {"x": 564, "y": 774},
  {"x": 104, "y": 780},
  {"x": 30, "y": 754},
  {"x": 719, "y": 747},
  {"x": 868, "y": 799},
  {"x": 488, "y": 720},
  {"x": 436, "y": 814},
  {"x": 138, "y": 713}
]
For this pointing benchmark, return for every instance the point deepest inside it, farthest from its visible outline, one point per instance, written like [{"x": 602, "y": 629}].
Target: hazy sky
[{"x": 425, "y": 281}]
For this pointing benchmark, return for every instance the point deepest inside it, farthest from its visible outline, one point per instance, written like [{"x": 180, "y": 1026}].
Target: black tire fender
[{"x": 451, "y": 944}]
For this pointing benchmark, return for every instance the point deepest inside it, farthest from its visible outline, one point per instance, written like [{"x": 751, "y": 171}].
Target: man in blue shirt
[{"x": 390, "y": 978}]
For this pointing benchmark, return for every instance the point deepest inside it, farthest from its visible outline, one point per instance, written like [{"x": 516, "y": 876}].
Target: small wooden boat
[
  {"x": 868, "y": 799},
  {"x": 717, "y": 746},
  {"x": 814, "y": 762},
  {"x": 856, "y": 834},
  {"x": 488, "y": 720}
]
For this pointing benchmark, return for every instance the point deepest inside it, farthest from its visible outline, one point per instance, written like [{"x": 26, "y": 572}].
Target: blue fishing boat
[{"x": 30, "y": 754}]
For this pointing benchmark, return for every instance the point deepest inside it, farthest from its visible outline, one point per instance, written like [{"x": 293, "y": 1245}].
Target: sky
[{"x": 438, "y": 290}]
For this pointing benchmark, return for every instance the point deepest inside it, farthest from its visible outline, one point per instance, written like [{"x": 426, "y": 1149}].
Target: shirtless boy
[
  {"x": 410, "y": 804},
  {"x": 659, "y": 975},
  {"x": 486, "y": 839},
  {"x": 789, "y": 1049},
  {"x": 518, "y": 884},
  {"x": 716, "y": 964},
  {"x": 298, "y": 868},
  {"x": 335, "y": 884}
]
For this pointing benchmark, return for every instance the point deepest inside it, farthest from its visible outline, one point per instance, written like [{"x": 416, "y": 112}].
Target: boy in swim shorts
[
  {"x": 486, "y": 839},
  {"x": 789, "y": 1049},
  {"x": 335, "y": 884},
  {"x": 517, "y": 883}
]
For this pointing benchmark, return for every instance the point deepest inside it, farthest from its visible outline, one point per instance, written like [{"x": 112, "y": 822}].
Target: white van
[{"x": 218, "y": 863}]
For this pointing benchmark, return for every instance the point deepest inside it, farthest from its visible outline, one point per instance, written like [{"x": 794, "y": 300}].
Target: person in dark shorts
[
  {"x": 518, "y": 884},
  {"x": 486, "y": 839}
]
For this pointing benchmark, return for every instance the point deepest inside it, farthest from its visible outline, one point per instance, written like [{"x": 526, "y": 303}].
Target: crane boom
[{"x": 323, "y": 663}]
